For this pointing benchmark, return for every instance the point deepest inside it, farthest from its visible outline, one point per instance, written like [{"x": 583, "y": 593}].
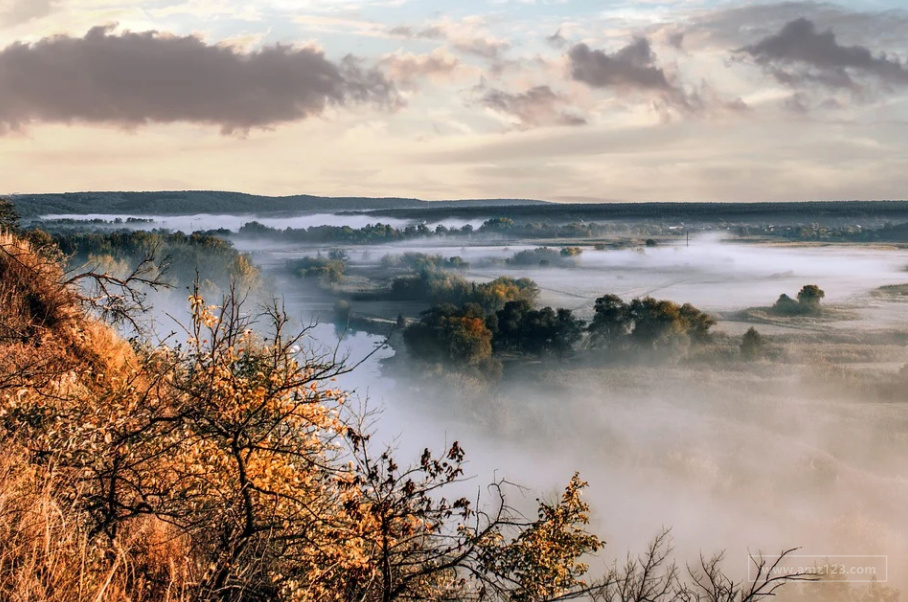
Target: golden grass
[{"x": 48, "y": 554}]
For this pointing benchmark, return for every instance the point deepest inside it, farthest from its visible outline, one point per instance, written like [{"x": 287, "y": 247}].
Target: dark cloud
[
  {"x": 131, "y": 79},
  {"x": 801, "y": 54},
  {"x": 538, "y": 106},
  {"x": 16, "y": 12},
  {"x": 744, "y": 25},
  {"x": 632, "y": 67}
]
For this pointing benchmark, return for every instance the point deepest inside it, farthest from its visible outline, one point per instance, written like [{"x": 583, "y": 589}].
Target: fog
[
  {"x": 779, "y": 457},
  {"x": 783, "y": 454}
]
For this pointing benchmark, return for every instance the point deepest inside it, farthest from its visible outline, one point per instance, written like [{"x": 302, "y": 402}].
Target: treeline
[
  {"x": 438, "y": 287},
  {"x": 472, "y": 337},
  {"x": 810, "y": 232},
  {"x": 499, "y": 227},
  {"x": 421, "y": 262},
  {"x": 183, "y": 257},
  {"x": 700, "y": 212},
  {"x": 546, "y": 256}
]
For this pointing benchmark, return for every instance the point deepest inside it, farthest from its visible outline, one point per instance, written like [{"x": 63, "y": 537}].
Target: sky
[{"x": 563, "y": 100}]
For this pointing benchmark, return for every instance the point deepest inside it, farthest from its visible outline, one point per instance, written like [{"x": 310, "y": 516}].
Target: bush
[
  {"x": 808, "y": 302},
  {"x": 439, "y": 287},
  {"x": 326, "y": 269},
  {"x": 420, "y": 262},
  {"x": 752, "y": 346},
  {"x": 545, "y": 256}
]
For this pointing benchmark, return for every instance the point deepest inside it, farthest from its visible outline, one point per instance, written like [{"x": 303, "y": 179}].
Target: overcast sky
[{"x": 550, "y": 99}]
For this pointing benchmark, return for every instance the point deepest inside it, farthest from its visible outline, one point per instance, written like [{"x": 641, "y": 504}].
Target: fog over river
[{"x": 765, "y": 459}]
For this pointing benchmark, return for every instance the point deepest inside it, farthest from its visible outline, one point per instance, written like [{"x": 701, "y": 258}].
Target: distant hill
[
  {"x": 775, "y": 212},
  {"x": 194, "y": 202},
  {"x": 236, "y": 203}
]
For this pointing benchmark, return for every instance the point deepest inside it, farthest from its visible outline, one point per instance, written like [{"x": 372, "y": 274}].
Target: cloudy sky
[{"x": 553, "y": 99}]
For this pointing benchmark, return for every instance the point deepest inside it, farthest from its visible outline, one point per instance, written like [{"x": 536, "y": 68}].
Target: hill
[
  {"x": 194, "y": 202},
  {"x": 707, "y": 212}
]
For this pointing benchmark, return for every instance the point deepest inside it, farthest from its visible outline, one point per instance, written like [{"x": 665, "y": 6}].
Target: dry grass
[
  {"x": 48, "y": 343},
  {"x": 48, "y": 554}
]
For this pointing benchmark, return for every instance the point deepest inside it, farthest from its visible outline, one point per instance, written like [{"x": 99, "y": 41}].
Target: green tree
[
  {"x": 510, "y": 320},
  {"x": 656, "y": 323},
  {"x": 611, "y": 321}
]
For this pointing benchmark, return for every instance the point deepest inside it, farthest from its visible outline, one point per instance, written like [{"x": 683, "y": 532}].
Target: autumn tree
[
  {"x": 457, "y": 336},
  {"x": 648, "y": 323}
]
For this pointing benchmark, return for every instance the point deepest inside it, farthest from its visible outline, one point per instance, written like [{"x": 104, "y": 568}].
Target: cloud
[
  {"x": 461, "y": 37},
  {"x": 557, "y": 40},
  {"x": 131, "y": 79},
  {"x": 16, "y": 12},
  {"x": 538, "y": 106},
  {"x": 632, "y": 67},
  {"x": 427, "y": 33},
  {"x": 407, "y": 68},
  {"x": 746, "y": 24},
  {"x": 488, "y": 48},
  {"x": 800, "y": 54}
]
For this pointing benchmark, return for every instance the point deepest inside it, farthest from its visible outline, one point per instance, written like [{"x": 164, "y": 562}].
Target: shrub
[
  {"x": 808, "y": 302},
  {"x": 752, "y": 346}
]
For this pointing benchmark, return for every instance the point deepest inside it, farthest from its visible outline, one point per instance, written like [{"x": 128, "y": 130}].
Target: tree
[
  {"x": 9, "y": 217},
  {"x": 510, "y": 319},
  {"x": 808, "y": 302},
  {"x": 647, "y": 322},
  {"x": 656, "y": 323},
  {"x": 698, "y": 323},
  {"x": 654, "y": 577},
  {"x": 568, "y": 332},
  {"x": 497, "y": 224},
  {"x": 810, "y": 296},
  {"x": 456, "y": 336},
  {"x": 524, "y": 329},
  {"x": 611, "y": 322},
  {"x": 787, "y": 306},
  {"x": 752, "y": 344}
]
